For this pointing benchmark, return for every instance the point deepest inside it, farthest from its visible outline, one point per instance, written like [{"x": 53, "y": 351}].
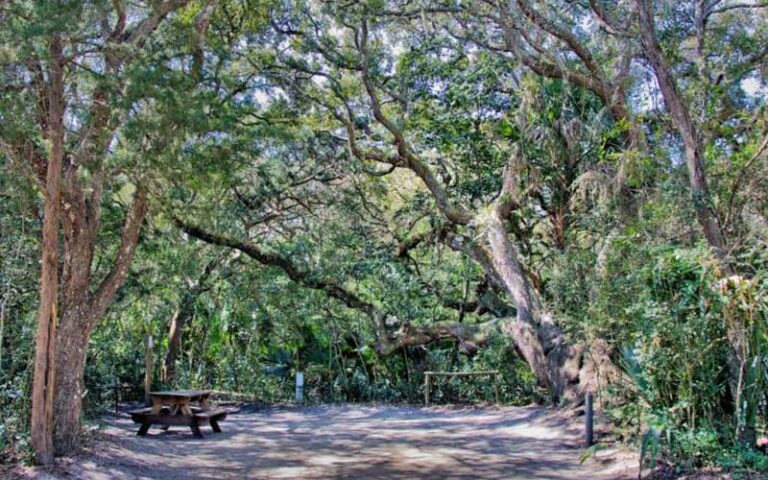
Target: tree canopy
[{"x": 571, "y": 192}]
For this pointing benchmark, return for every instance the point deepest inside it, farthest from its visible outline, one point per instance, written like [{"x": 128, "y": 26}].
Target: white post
[
  {"x": 148, "y": 364},
  {"x": 299, "y": 387}
]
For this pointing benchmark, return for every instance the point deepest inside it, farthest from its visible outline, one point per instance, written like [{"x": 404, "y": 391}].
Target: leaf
[
  {"x": 589, "y": 452},
  {"x": 650, "y": 447}
]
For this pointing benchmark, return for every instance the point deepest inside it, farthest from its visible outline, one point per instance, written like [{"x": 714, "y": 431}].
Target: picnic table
[{"x": 179, "y": 407}]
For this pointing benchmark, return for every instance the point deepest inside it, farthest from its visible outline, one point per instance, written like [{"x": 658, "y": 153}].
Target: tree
[
  {"x": 45, "y": 350},
  {"x": 95, "y": 60},
  {"x": 498, "y": 256},
  {"x": 573, "y": 42},
  {"x": 395, "y": 183},
  {"x": 703, "y": 200},
  {"x": 182, "y": 315}
]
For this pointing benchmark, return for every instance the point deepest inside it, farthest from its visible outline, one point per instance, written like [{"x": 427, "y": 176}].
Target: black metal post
[{"x": 588, "y": 420}]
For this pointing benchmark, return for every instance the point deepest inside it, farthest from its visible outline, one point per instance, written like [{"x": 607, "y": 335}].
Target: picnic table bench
[{"x": 179, "y": 407}]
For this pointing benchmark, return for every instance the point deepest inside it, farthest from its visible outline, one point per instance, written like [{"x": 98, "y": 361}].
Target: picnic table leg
[
  {"x": 215, "y": 425},
  {"x": 157, "y": 405},
  {"x": 144, "y": 428},
  {"x": 185, "y": 408},
  {"x": 196, "y": 429}
]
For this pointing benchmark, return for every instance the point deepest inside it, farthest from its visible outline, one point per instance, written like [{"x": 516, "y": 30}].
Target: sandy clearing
[{"x": 352, "y": 442}]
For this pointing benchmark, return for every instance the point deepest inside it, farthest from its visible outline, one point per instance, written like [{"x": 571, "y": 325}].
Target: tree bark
[
  {"x": 82, "y": 310},
  {"x": 523, "y": 330},
  {"x": 45, "y": 343},
  {"x": 180, "y": 316},
  {"x": 72, "y": 343},
  {"x": 708, "y": 219},
  {"x": 567, "y": 369}
]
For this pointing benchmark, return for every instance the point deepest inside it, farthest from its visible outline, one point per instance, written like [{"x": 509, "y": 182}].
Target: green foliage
[
  {"x": 676, "y": 354},
  {"x": 238, "y": 130},
  {"x": 19, "y": 235},
  {"x": 650, "y": 447}
]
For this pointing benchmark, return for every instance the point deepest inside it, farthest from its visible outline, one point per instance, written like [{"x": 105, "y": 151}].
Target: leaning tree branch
[
  {"x": 130, "y": 238},
  {"x": 295, "y": 273},
  {"x": 469, "y": 335},
  {"x": 454, "y": 213}
]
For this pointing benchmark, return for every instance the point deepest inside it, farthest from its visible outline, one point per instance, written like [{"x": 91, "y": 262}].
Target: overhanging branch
[{"x": 469, "y": 335}]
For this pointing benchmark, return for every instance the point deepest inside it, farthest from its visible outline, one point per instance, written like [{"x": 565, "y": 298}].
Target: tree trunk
[
  {"x": 81, "y": 309},
  {"x": 71, "y": 347},
  {"x": 523, "y": 329},
  {"x": 567, "y": 370},
  {"x": 180, "y": 317},
  {"x": 45, "y": 347},
  {"x": 176, "y": 324},
  {"x": 707, "y": 217}
]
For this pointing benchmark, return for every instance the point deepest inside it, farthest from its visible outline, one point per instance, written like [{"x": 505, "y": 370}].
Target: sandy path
[{"x": 352, "y": 442}]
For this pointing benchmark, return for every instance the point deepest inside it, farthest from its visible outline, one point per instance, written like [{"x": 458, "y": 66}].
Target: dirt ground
[{"x": 351, "y": 442}]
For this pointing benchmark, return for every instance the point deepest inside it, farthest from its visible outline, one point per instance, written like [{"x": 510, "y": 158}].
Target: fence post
[
  {"x": 148, "y": 370},
  {"x": 299, "y": 387},
  {"x": 588, "y": 420},
  {"x": 426, "y": 389}
]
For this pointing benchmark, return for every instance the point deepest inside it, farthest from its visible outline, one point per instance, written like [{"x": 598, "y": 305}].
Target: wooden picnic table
[
  {"x": 180, "y": 401},
  {"x": 179, "y": 407}
]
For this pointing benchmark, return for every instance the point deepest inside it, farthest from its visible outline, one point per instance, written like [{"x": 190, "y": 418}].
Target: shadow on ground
[{"x": 353, "y": 442}]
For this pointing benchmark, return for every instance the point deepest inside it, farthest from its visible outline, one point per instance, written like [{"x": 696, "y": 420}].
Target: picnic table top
[{"x": 181, "y": 393}]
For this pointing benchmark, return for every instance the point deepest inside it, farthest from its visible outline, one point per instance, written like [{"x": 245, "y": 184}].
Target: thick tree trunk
[
  {"x": 45, "y": 343},
  {"x": 567, "y": 370},
  {"x": 71, "y": 348},
  {"x": 523, "y": 329},
  {"x": 81, "y": 309}
]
